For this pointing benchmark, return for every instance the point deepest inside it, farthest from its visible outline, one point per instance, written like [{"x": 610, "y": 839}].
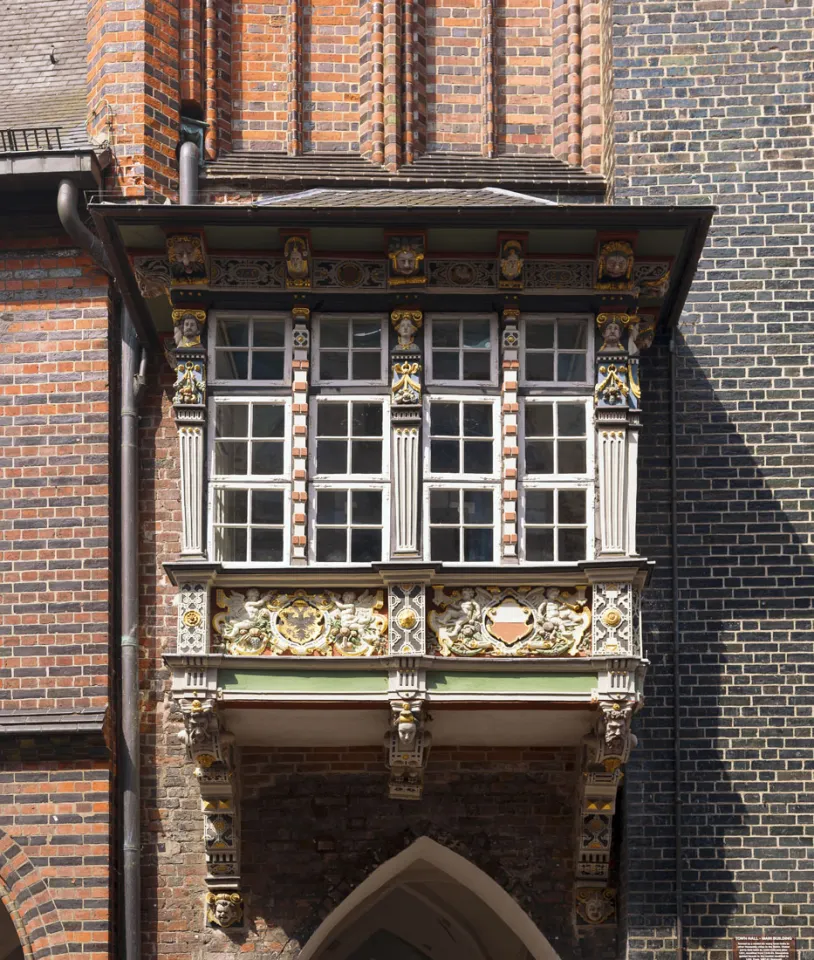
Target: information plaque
[{"x": 764, "y": 948}]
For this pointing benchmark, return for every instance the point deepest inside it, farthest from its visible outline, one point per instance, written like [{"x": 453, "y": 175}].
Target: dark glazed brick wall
[{"x": 714, "y": 105}]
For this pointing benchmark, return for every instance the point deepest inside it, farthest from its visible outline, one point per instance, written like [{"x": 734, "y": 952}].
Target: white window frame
[
  {"x": 344, "y": 487},
  {"x": 558, "y": 478},
  {"x": 318, "y": 380},
  {"x": 248, "y": 315},
  {"x": 555, "y": 385},
  {"x": 344, "y": 479},
  {"x": 590, "y": 516},
  {"x": 497, "y": 524},
  {"x": 494, "y": 358},
  {"x": 250, "y": 400},
  {"x": 497, "y": 439},
  {"x": 264, "y": 486}
]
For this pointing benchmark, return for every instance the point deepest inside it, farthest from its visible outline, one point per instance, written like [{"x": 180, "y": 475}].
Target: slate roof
[
  {"x": 438, "y": 197},
  {"x": 52, "y": 720},
  {"x": 450, "y": 170},
  {"x": 33, "y": 91}
]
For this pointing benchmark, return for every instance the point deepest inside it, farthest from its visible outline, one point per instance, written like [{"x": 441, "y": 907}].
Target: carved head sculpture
[
  {"x": 644, "y": 333},
  {"x": 615, "y": 724},
  {"x": 611, "y": 329},
  {"x": 406, "y": 725},
  {"x": 615, "y": 262},
  {"x": 197, "y": 724},
  {"x": 187, "y": 327},
  {"x": 511, "y": 260},
  {"x": 406, "y": 324},
  {"x": 406, "y": 255},
  {"x": 187, "y": 259},
  {"x": 224, "y": 909},
  {"x": 297, "y": 256},
  {"x": 595, "y": 905}
]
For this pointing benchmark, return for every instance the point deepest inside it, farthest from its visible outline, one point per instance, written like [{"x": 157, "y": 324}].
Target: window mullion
[{"x": 509, "y": 455}]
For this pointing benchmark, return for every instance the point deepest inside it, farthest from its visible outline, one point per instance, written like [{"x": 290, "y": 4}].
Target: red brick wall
[
  {"x": 54, "y": 489},
  {"x": 260, "y": 76}
]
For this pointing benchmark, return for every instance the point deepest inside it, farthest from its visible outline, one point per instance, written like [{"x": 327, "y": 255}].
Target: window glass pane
[
  {"x": 540, "y": 366},
  {"x": 540, "y": 506},
  {"x": 477, "y": 545},
  {"x": 232, "y": 365},
  {"x": 540, "y": 335},
  {"x": 478, "y": 506},
  {"x": 366, "y": 456},
  {"x": 367, "y": 333},
  {"x": 444, "y": 456},
  {"x": 445, "y": 366},
  {"x": 332, "y": 506},
  {"x": 269, "y": 333},
  {"x": 540, "y": 456},
  {"x": 332, "y": 456},
  {"x": 571, "y": 506},
  {"x": 539, "y": 420},
  {"x": 231, "y": 458},
  {"x": 365, "y": 545},
  {"x": 333, "y": 333},
  {"x": 571, "y": 420},
  {"x": 366, "y": 366},
  {"x": 445, "y": 544},
  {"x": 476, "y": 333},
  {"x": 367, "y": 419},
  {"x": 571, "y": 456},
  {"x": 444, "y": 419},
  {"x": 230, "y": 543},
  {"x": 267, "y": 458},
  {"x": 333, "y": 366},
  {"x": 267, "y": 365},
  {"x": 572, "y": 335},
  {"x": 232, "y": 333},
  {"x": 571, "y": 366},
  {"x": 232, "y": 420},
  {"x": 269, "y": 420},
  {"x": 332, "y": 419},
  {"x": 331, "y": 545},
  {"x": 231, "y": 506},
  {"x": 267, "y": 506},
  {"x": 444, "y": 506},
  {"x": 478, "y": 456},
  {"x": 267, "y": 545},
  {"x": 539, "y": 545},
  {"x": 571, "y": 544},
  {"x": 477, "y": 419},
  {"x": 445, "y": 333},
  {"x": 366, "y": 506},
  {"x": 476, "y": 366}
]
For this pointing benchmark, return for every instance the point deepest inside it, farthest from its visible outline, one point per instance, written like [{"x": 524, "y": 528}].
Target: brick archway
[{"x": 26, "y": 898}]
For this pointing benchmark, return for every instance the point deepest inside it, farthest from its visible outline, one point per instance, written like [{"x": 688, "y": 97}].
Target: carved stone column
[
  {"x": 211, "y": 749},
  {"x": 189, "y": 402},
  {"x": 510, "y": 346},
  {"x": 299, "y": 446},
  {"x": 616, "y": 396},
  {"x": 405, "y": 418}
]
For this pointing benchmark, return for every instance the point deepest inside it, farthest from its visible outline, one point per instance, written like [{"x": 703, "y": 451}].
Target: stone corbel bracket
[
  {"x": 211, "y": 748},
  {"x": 407, "y": 743}
]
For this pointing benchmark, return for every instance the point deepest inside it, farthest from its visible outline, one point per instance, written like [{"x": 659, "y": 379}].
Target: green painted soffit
[
  {"x": 440, "y": 681},
  {"x": 302, "y": 681}
]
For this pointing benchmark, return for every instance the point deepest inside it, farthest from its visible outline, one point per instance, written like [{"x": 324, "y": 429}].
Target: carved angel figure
[
  {"x": 356, "y": 626},
  {"x": 246, "y": 625}
]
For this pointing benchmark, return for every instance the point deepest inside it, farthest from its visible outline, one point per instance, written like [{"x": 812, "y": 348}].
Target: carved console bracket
[
  {"x": 210, "y": 747},
  {"x": 407, "y": 742}
]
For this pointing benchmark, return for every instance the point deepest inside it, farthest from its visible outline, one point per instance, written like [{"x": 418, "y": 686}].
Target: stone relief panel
[
  {"x": 613, "y": 628},
  {"x": 302, "y": 623},
  {"x": 489, "y": 622},
  {"x": 407, "y": 620},
  {"x": 247, "y": 272}
]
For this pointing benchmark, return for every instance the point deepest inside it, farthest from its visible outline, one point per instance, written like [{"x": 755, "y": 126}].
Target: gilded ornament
[
  {"x": 297, "y": 257},
  {"x": 187, "y": 259},
  {"x": 615, "y": 266},
  {"x": 510, "y": 262},
  {"x": 407, "y": 619},
  {"x": 405, "y": 255},
  {"x": 406, "y": 388},
  {"x": 187, "y": 327},
  {"x": 190, "y": 388},
  {"x": 407, "y": 323},
  {"x": 612, "y": 388},
  {"x": 192, "y": 618},
  {"x": 612, "y": 617}
]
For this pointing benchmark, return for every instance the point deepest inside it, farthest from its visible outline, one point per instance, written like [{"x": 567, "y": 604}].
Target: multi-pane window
[
  {"x": 349, "y": 438},
  {"x": 555, "y": 350},
  {"x": 462, "y": 524},
  {"x": 462, "y": 437},
  {"x": 249, "y": 491},
  {"x": 250, "y": 349},
  {"x": 555, "y": 438},
  {"x": 555, "y": 524},
  {"x": 462, "y": 349},
  {"x": 348, "y": 524},
  {"x": 350, "y": 349}
]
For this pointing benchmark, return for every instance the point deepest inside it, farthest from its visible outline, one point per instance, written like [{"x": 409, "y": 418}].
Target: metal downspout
[
  {"x": 68, "y": 211},
  {"x": 677, "y": 803},
  {"x": 188, "y": 174}
]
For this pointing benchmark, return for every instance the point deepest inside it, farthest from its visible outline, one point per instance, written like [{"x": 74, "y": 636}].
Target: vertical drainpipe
[
  {"x": 132, "y": 378},
  {"x": 188, "y": 174}
]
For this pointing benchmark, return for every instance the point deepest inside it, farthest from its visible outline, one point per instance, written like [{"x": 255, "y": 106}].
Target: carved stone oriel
[
  {"x": 407, "y": 619},
  {"x": 302, "y": 623},
  {"x": 489, "y": 622}
]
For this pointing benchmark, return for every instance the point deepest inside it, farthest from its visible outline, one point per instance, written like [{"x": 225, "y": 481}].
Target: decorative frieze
[
  {"x": 490, "y": 622},
  {"x": 406, "y": 619},
  {"x": 302, "y": 623},
  {"x": 247, "y": 273},
  {"x": 480, "y": 274},
  {"x": 351, "y": 274}
]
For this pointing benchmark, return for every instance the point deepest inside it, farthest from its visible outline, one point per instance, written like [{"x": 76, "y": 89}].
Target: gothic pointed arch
[
  {"x": 424, "y": 891},
  {"x": 27, "y": 902}
]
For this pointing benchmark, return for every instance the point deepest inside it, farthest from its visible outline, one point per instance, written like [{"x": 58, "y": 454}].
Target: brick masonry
[{"x": 713, "y": 105}]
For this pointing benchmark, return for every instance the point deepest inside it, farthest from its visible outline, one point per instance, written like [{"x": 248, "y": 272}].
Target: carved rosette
[
  {"x": 300, "y": 365},
  {"x": 407, "y": 631},
  {"x": 193, "y": 618},
  {"x": 302, "y": 623},
  {"x": 490, "y": 622}
]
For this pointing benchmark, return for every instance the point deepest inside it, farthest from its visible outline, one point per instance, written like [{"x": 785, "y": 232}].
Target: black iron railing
[{"x": 29, "y": 139}]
